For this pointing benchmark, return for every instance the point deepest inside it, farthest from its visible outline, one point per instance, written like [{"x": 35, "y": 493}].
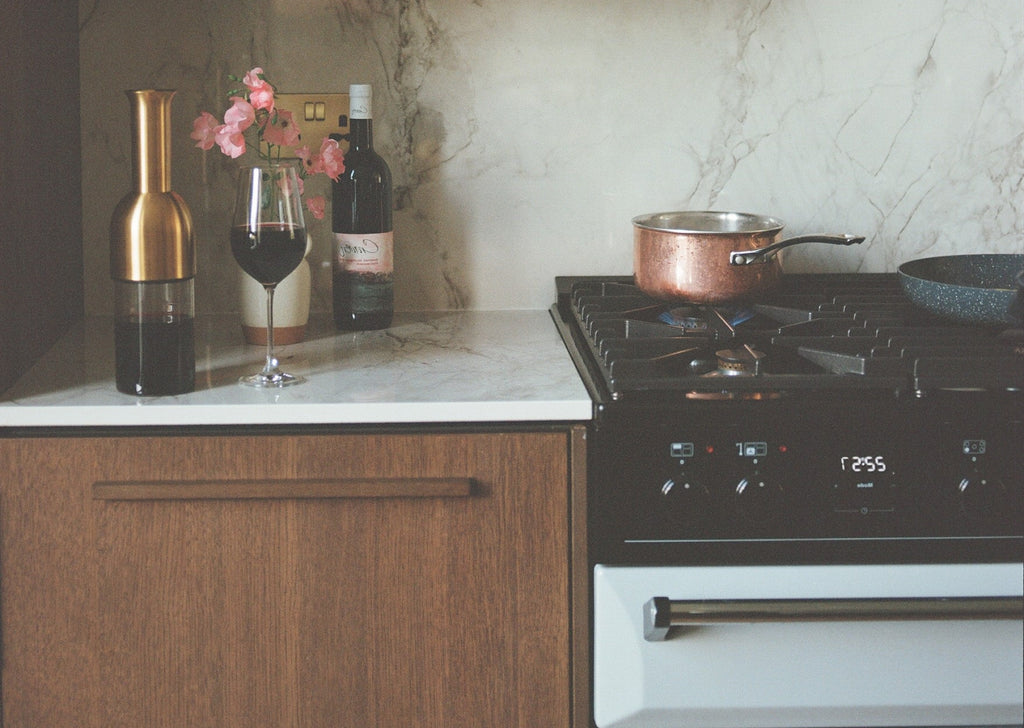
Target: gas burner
[
  {"x": 687, "y": 318},
  {"x": 815, "y": 333},
  {"x": 745, "y": 361},
  {"x": 722, "y": 322}
]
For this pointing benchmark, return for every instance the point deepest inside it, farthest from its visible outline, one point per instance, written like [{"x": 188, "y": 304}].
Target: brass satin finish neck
[
  {"x": 151, "y": 139},
  {"x": 151, "y": 233}
]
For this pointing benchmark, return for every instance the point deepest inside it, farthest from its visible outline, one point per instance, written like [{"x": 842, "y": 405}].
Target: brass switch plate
[{"x": 318, "y": 115}]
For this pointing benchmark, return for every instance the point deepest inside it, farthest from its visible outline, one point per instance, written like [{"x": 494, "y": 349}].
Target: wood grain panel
[{"x": 296, "y": 611}]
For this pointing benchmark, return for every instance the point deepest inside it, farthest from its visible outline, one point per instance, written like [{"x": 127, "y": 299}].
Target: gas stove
[
  {"x": 815, "y": 334},
  {"x": 825, "y": 443},
  {"x": 830, "y": 420}
]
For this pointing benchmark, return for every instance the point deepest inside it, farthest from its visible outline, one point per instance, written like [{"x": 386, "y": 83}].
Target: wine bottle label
[{"x": 364, "y": 252}]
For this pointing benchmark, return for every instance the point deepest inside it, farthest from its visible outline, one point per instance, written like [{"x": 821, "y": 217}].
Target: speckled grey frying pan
[{"x": 973, "y": 289}]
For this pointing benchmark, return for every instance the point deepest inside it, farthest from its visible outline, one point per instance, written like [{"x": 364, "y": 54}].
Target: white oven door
[{"x": 797, "y": 667}]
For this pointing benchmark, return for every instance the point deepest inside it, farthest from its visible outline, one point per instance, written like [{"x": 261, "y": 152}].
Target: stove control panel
[{"x": 809, "y": 477}]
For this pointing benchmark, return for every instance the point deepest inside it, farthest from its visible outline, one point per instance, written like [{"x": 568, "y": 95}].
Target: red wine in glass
[{"x": 269, "y": 251}]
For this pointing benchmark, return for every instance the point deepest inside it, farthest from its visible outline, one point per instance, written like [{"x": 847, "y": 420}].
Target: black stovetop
[{"x": 840, "y": 333}]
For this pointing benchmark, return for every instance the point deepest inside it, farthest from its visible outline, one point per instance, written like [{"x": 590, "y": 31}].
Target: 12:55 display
[{"x": 863, "y": 463}]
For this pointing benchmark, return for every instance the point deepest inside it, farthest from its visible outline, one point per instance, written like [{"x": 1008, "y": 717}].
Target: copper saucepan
[{"x": 712, "y": 257}]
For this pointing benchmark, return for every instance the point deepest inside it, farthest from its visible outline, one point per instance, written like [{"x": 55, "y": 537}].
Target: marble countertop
[{"x": 429, "y": 367}]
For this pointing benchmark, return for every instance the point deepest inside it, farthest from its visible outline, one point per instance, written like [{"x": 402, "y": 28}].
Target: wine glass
[{"x": 268, "y": 240}]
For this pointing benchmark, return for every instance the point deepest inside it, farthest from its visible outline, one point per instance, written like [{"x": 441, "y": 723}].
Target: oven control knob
[
  {"x": 983, "y": 496},
  {"x": 684, "y": 495},
  {"x": 757, "y": 498}
]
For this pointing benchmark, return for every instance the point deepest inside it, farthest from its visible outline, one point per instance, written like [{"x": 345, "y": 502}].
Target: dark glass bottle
[{"x": 363, "y": 261}]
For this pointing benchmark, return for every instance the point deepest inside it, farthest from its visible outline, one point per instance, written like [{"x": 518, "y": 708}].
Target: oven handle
[{"x": 662, "y": 613}]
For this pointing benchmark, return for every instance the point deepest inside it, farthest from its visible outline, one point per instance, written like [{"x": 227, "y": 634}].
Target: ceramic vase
[{"x": 291, "y": 307}]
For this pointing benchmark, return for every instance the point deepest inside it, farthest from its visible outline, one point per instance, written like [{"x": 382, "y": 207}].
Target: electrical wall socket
[{"x": 317, "y": 115}]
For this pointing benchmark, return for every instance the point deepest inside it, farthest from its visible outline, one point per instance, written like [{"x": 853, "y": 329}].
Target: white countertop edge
[
  {"x": 370, "y": 413},
  {"x": 430, "y": 368}
]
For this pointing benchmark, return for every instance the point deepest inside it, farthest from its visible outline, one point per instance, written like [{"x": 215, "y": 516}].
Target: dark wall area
[{"x": 41, "y": 287}]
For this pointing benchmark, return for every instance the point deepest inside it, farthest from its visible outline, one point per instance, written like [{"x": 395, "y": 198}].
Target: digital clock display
[{"x": 863, "y": 463}]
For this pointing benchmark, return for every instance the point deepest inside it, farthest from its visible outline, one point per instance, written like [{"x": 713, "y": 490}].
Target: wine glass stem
[{"x": 271, "y": 366}]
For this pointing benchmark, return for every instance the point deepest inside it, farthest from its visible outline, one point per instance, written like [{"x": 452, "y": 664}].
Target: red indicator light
[
  {"x": 783, "y": 448},
  {"x": 709, "y": 449}
]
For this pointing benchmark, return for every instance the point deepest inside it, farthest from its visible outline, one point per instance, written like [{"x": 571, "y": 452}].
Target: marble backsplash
[{"x": 523, "y": 136}]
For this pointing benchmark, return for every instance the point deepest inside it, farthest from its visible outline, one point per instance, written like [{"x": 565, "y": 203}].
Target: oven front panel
[
  {"x": 960, "y": 672},
  {"x": 823, "y": 481}
]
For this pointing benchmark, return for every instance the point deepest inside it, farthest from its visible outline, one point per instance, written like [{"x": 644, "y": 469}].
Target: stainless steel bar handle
[{"x": 662, "y": 613}]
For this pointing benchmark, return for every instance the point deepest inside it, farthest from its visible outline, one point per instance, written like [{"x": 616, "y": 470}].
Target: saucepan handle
[
  {"x": 662, "y": 613},
  {"x": 765, "y": 254}
]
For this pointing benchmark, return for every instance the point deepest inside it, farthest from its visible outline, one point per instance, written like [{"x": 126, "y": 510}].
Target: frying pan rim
[{"x": 907, "y": 269}]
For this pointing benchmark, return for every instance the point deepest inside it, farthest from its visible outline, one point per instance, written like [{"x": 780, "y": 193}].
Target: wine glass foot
[{"x": 269, "y": 381}]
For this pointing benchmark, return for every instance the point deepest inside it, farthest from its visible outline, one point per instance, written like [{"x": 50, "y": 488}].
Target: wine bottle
[{"x": 363, "y": 261}]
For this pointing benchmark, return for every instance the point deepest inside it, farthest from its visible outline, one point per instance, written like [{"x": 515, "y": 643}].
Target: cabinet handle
[
  {"x": 284, "y": 488},
  {"x": 662, "y": 613}
]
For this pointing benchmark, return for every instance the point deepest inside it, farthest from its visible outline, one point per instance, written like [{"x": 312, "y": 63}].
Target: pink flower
[
  {"x": 240, "y": 115},
  {"x": 204, "y": 130},
  {"x": 252, "y": 78},
  {"x": 256, "y": 109},
  {"x": 307, "y": 163},
  {"x": 332, "y": 159},
  {"x": 311, "y": 163},
  {"x": 281, "y": 129},
  {"x": 263, "y": 97},
  {"x": 261, "y": 93},
  {"x": 316, "y": 205},
  {"x": 231, "y": 140}
]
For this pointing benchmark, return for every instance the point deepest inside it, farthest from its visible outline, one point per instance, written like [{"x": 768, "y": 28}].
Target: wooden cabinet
[{"x": 364, "y": 580}]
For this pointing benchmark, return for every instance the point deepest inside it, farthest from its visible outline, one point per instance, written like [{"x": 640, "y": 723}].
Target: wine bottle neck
[{"x": 360, "y": 134}]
